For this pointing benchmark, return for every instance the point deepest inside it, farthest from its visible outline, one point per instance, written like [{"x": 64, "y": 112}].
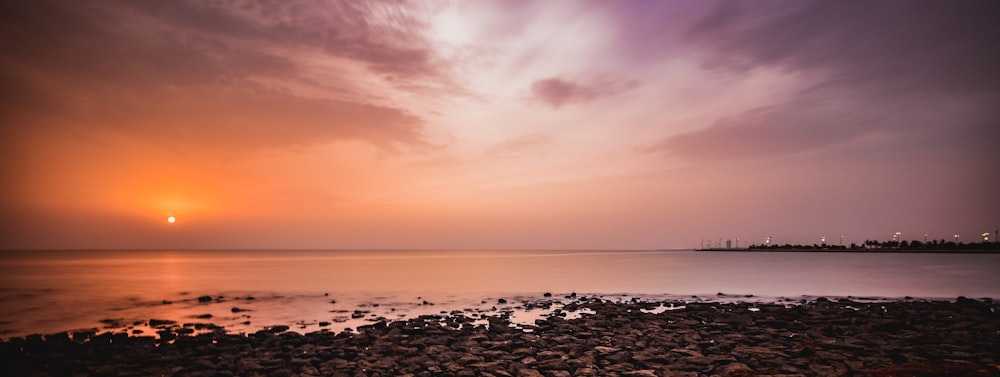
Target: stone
[
  {"x": 529, "y": 373},
  {"x": 546, "y": 355},
  {"x": 606, "y": 350},
  {"x": 737, "y": 369},
  {"x": 641, "y": 373},
  {"x": 160, "y": 322},
  {"x": 277, "y": 329},
  {"x": 617, "y": 339}
]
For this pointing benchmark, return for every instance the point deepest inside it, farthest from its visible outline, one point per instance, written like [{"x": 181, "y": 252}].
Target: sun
[{"x": 171, "y": 219}]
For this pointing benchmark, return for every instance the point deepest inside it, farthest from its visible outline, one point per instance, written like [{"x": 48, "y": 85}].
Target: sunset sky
[{"x": 496, "y": 124}]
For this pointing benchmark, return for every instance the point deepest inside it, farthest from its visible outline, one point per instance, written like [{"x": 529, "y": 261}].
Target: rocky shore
[{"x": 817, "y": 338}]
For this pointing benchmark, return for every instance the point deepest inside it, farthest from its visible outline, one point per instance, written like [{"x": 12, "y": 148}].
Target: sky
[{"x": 496, "y": 124}]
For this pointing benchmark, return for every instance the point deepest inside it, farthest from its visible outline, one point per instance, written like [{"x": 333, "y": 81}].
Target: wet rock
[
  {"x": 277, "y": 329},
  {"x": 606, "y": 350},
  {"x": 161, "y": 322},
  {"x": 546, "y": 355},
  {"x": 641, "y": 373},
  {"x": 944, "y": 368},
  {"x": 650, "y": 356},
  {"x": 80, "y": 335},
  {"x": 618, "y": 339},
  {"x": 205, "y": 299},
  {"x": 737, "y": 369},
  {"x": 529, "y": 373},
  {"x": 166, "y": 335}
]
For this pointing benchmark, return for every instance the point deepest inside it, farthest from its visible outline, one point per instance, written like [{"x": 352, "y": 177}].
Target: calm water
[{"x": 50, "y": 291}]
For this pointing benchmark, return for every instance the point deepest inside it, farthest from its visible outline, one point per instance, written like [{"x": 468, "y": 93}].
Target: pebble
[{"x": 824, "y": 337}]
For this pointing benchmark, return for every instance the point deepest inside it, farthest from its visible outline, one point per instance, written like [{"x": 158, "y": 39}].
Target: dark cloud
[
  {"x": 556, "y": 91},
  {"x": 98, "y": 43},
  {"x": 884, "y": 60},
  {"x": 900, "y": 45},
  {"x": 253, "y": 116},
  {"x": 765, "y": 132},
  {"x": 118, "y": 63},
  {"x": 385, "y": 35}
]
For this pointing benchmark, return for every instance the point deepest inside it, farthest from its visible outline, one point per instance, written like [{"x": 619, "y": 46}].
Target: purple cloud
[
  {"x": 903, "y": 45},
  {"x": 884, "y": 59},
  {"x": 556, "y": 91},
  {"x": 765, "y": 132}
]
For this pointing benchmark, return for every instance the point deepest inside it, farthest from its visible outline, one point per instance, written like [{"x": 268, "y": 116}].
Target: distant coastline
[
  {"x": 856, "y": 250},
  {"x": 895, "y": 246}
]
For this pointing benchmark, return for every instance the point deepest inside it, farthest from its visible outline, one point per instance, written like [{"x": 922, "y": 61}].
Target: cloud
[
  {"x": 520, "y": 145},
  {"x": 864, "y": 68},
  {"x": 830, "y": 118},
  {"x": 556, "y": 92},
  {"x": 898, "y": 45},
  {"x": 384, "y": 35},
  {"x": 268, "y": 73},
  {"x": 254, "y": 117},
  {"x": 761, "y": 133}
]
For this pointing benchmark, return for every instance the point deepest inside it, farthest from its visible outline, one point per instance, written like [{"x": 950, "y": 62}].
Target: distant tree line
[{"x": 942, "y": 245}]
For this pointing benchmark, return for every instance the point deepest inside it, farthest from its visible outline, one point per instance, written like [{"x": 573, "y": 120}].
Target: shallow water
[{"x": 50, "y": 291}]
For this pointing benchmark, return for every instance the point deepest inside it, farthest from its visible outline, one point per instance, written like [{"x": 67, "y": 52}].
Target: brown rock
[
  {"x": 606, "y": 350},
  {"x": 529, "y": 373},
  {"x": 641, "y": 373}
]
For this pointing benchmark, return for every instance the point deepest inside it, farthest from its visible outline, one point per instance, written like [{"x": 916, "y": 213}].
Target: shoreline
[
  {"x": 627, "y": 338},
  {"x": 249, "y": 313}
]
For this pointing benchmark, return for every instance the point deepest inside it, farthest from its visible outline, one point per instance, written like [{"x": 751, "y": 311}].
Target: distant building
[{"x": 729, "y": 244}]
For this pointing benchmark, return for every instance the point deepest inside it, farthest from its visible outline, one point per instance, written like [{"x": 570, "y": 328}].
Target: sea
[{"x": 244, "y": 291}]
